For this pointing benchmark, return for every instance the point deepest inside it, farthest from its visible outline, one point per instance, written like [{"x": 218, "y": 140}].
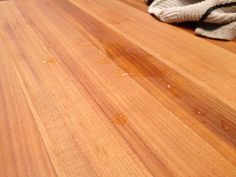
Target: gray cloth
[{"x": 214, "y": 18}]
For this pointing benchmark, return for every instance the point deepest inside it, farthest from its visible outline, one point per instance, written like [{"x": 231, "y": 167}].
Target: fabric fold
[{"x": 215, "y": 18}]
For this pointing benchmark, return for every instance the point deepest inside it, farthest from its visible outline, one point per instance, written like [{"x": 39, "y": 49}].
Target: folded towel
[{"x": 216, "y": 18}]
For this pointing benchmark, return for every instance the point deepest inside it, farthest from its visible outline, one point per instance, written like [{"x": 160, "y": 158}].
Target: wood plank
[
  {"x": 147, "y": 73},
  {"x": 22, "y": 151},
  {"x": 212, "y": 71},
  {"x": 138, "y": 4},
  {"x": 107, "y": 104},
  {"x": 74, "y": 32},
  {"x": 191, "y": 87},
  {"x": 76, "y": 145}
]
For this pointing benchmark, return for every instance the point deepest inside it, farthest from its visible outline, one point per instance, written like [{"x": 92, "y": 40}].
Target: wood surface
[{"x": 101, "y": 88}]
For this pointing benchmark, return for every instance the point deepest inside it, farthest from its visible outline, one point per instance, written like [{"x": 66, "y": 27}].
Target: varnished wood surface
[{"x": 100, "y": 88}]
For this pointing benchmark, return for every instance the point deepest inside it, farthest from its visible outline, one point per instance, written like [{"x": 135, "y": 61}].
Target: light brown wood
[
  {"x": 22, "y": 151},
  {"x": 100, "y": 88}
]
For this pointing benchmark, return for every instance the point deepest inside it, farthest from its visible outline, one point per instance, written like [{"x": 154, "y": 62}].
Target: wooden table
[{"x": 101, "y": 88}]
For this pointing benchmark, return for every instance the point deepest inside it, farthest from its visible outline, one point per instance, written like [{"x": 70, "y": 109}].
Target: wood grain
[
  {"x": 22, "y": 151},
  {"x": 100, "y": 88}
]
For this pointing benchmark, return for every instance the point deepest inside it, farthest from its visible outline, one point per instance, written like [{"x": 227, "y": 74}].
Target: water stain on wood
[
  {"x": 127, "y": 74},
  {"x": 223, "y": 125},
  {"x": 120, "y": 119},
  {"x": 49, "y": 61},
  {"x": 199, "y": 112}
]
